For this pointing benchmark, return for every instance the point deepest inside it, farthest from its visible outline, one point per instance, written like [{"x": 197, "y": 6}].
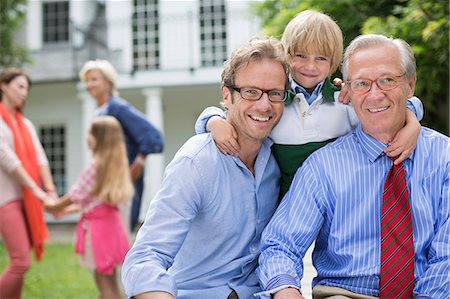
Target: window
[
  {"x": 145, "y": 35},
  {"x": 56, "y": 21},
  {"x": 213, "y": 34},
  {"x": 53, "y": 140}
]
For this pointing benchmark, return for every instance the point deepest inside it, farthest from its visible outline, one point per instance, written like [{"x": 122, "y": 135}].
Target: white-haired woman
[{"x": 141, "y": 137}]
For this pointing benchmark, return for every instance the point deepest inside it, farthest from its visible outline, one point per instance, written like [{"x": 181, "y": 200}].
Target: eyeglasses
[
  {"x": 361, "y": 86},
  {"x": 254, "y": 94}
]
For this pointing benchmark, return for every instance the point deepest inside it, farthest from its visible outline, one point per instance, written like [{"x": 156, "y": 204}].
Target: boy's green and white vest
[{"x": 304, "y": 128}]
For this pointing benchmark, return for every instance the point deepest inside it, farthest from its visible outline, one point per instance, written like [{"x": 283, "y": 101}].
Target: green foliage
[
  {"x": 58, "y": 275},
  {"x": 12, "y": 15},
  {"x": 424, "y": 24}
]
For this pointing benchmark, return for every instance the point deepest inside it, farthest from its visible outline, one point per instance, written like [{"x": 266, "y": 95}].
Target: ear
[
  {"x": 411, "y": 85},
  {"x": 226, "y": 95}
]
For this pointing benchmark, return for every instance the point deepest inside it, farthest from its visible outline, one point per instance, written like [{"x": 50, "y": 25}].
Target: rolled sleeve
[{"x": 271, "y": 291}]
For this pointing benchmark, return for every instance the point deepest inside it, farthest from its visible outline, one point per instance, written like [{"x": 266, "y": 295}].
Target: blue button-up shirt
[
  {"x": 335, "y": 200},
  {"x": 201, "y": 236}
]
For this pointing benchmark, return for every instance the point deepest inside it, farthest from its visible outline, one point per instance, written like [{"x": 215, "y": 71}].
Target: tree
[
  {"x": 424, "y": 24},
  {"x": 12, "y": 15}
]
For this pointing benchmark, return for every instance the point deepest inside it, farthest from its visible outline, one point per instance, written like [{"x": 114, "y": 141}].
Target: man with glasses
[
  {"x": 201, "y": 236},
  {"x": 380, "y": 230}
]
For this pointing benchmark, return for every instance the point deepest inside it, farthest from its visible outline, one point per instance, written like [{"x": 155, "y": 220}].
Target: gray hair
[
  {"x": 105, "y": 67},
  {"x": 407, "y": 60}
]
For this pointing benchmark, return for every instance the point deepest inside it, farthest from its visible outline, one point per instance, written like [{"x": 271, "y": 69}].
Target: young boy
[{"x": 312, "y": 116}]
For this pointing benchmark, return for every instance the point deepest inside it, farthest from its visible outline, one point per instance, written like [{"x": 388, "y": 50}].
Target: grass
[{"x": 57, "y": 276}]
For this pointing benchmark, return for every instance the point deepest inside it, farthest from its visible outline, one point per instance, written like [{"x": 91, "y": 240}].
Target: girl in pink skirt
[{"x": 101, "y": 238}]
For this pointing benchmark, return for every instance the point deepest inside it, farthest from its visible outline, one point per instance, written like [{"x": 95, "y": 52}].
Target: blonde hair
[
  {"x": 105, "y": 67},
  {"x": 314, "y": 31},
  {"x": 255, "y": 49},
  {"x": 113, "y": 183}
]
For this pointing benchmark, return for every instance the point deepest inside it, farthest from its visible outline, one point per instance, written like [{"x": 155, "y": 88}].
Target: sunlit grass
[{"x": 57, "y": 276}]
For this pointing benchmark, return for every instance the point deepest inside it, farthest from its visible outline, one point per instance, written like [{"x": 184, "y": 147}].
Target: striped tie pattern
[{"x": 397, "y": 246}]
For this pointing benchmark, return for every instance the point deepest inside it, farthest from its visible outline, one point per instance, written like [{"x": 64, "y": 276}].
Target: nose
[
  {"x": 88, "y": 84},
  {"x": 264, "y": 103},
  {"x": 24, "y": 93},
  {"x": 310, "y": 64},
  {"x": 375, "y": 91}
]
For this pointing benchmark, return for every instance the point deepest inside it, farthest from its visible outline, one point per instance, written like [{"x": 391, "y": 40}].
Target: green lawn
[{"x": 57, "y": 276}]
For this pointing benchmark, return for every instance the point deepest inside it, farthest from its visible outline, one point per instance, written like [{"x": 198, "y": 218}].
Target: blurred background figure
[
  {"x": 141, "y": 137},
  {"x": 101, "y": 237},
  {"x": 24, "y": 180}
]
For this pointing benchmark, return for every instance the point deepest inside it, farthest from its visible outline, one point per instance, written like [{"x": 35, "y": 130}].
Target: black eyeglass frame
[{"x": 263, "y": 91}]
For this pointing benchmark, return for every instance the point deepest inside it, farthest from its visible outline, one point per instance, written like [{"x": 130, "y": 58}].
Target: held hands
[
  {"x": 51, "y": 206},
  {"x": 288, "y": 293},
  {"x": 62, "y": 206},
  {"x": 73, "y": 208},
  {"x": 40, "y": 194},
  {"x": 224, "y": 135},
  {"x": 51, "y": 192}
]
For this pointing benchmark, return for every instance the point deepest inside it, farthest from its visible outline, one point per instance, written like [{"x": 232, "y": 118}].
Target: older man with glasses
[
  {"x": 380, "y": 230},
  {"x": 201, "y": 236}
]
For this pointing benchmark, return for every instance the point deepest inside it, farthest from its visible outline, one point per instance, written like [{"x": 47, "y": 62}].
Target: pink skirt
[{"x": 108, "y": 239}]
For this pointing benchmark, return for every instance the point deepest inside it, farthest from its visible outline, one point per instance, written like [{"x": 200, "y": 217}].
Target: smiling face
[
  {"x": 254, "y": 120},
  {"x": 382, "y": 112},
  {"x": 309, "y": 69},
  {"x": 15, "y": 93},
  {"x": 98, "y": 86}
]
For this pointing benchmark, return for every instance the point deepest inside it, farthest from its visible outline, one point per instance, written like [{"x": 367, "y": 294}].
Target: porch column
[
  {"x": 154, "y": 169},
  {"x": 87, "y": 107}
]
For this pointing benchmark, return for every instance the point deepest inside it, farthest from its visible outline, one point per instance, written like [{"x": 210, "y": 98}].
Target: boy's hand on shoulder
[
  {"x": 224, "y": 135},
  {"x": 343, "y": 95}
]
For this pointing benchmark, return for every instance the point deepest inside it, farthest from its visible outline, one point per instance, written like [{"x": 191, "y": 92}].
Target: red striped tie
[{"x": 397, "y": 246}]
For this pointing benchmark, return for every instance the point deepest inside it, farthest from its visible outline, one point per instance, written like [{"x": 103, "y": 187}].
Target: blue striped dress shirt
[{"x": 335, "y": 200}]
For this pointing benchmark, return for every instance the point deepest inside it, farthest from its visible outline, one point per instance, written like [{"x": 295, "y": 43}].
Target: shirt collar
[
  {"x": 371, "y": 146},
  {"x": 326, "y": 87},
  {"x": 310, "y": 97}
]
